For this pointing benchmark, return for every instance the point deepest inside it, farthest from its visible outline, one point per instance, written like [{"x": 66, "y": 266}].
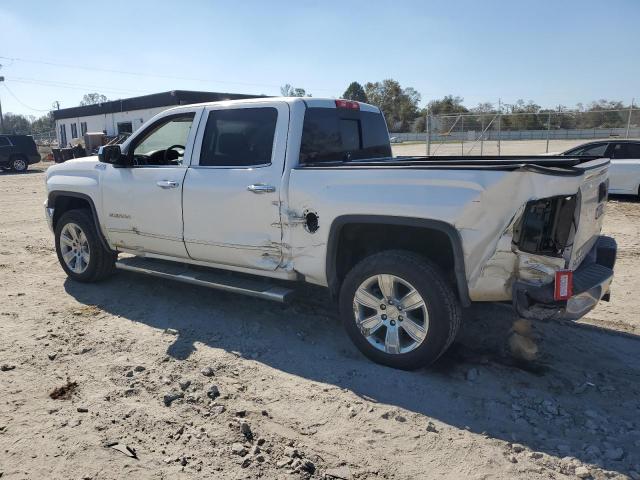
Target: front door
[
  {"x": 142, "y": 204},
  {"x": 232, "y": 190}
]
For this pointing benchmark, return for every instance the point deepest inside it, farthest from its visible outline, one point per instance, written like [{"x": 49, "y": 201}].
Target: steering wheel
[{"x": 166, "y": 153}]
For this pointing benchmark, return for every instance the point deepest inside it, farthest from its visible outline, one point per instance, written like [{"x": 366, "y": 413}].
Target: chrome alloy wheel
[
  {"x": 391, "y": 314},
  {"x": 19, "y": 165},
  {"x": 74, "y": 247}
]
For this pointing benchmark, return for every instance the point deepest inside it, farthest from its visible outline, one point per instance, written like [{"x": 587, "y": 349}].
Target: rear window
[{"x": 338, "y": 135}]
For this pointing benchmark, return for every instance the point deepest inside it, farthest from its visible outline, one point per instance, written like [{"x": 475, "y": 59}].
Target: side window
[
  {"x": 595, "y": 150},
  {"x": 626, "y": 150},
  {"x": 4, "y": 142},
  {"x": 163, "y": 143},
  {"x": 633, "y": 150},
  {"x": 239, "y": 137}
]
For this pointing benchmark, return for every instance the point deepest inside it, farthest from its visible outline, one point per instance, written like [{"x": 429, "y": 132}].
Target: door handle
[
  {"x": 261, "y": 188},
  {"x": 167, "y": 184}
]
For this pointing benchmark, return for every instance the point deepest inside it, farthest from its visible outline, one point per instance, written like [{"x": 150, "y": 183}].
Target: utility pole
[
  {"x": 628, "y": 118},
  {"x": 1, "y": 117}
]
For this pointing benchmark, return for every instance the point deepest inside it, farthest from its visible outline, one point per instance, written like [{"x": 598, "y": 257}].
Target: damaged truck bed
[{"x": 307, "y": 190}]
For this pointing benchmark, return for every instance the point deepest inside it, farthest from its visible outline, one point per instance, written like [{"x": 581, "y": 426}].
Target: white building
[{"x": 126, "y": 115}]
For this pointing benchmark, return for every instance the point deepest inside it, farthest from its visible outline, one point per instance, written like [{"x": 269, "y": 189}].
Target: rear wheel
[
  {"x": 80, "y": 251},
  {"x": 19, "y": 164},
  {"x": 398, "y": 309}
]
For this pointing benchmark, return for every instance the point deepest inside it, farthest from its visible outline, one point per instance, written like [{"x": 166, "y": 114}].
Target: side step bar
[{"x": 217, "y": 279}]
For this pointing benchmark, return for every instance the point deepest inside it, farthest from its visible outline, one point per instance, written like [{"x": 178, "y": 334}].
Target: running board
[{"x": 205, "y": 277}]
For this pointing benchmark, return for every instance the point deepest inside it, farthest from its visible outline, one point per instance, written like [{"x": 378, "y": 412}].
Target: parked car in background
[
  {"x": 17, "y": 152},
  {"x": 395, "y": 140},
  {"x": 624, "y": 171}
]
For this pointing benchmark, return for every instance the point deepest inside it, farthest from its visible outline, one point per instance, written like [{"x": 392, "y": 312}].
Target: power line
[
  {"x": 21, "y": 102},
  {"x": 72, "y": 86},
  {"x": 150, "y": 75}
]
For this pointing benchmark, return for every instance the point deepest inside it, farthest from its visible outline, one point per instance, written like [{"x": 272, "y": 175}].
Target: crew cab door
[
  {"x": 231, "y": 196},
  {"x": 142, "y": 203}
]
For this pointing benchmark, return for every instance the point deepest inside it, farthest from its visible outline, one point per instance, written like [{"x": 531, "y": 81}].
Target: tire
[
  {"x": 437, "y": 317},
  {"x": 19, "y": 164},
  {"x": 93, "y": 261}
]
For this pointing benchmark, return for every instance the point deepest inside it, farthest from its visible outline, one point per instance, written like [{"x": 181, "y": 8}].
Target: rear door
[
  {"x": 231, "y": 197},
  {"x": 5, "y": 149},
  {"x": 624, "y": 172}
]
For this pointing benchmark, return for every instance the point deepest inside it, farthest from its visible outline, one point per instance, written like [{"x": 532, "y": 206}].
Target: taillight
[
  {"x": 564, "y": 285},
  {"x": 351, "y": 105}
]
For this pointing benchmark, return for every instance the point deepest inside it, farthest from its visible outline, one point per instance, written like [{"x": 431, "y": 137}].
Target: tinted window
[
  {"x": 332, "y": 134},
  {"x": 626, "y": 150},
  {"x": 239, "y": 138},
  {"x": 4, "y": 141},
  {"x": 596, "y": 150}
]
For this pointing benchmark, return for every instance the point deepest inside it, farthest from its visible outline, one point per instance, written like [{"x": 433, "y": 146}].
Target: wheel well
[
  {"x": 63, "y": 203},
  {"x": 355, "y": 241}
]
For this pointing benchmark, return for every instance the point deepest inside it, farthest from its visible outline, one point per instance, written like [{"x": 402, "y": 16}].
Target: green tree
[
  {"x": 93, "y": 99},
  {"x": 16, "y": 123},
  {"x": 447, "y": 105},
  {"x": 399, "y": 105},
  {"x": 355, "y": 92},
  {"x": 289, "y": 91},
  {"x": 43, "y": 124}
]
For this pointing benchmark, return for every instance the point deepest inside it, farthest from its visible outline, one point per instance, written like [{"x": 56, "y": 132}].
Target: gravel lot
[{"x": 204, "y": 384}]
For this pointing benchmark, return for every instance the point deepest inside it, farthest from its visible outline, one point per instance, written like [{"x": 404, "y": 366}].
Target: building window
[
  {"x": 83, "y": 128},
  {"x": 63, "y": 135},
  {"x": 124, "y": 128},
  {"x": 74, "y": 130}
]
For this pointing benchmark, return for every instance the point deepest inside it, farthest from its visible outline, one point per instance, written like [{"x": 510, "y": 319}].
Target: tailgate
[{"x": 590, "y": 210}]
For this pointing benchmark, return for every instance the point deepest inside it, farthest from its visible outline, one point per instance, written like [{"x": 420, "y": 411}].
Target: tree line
[{"x": 401, "y": 108}]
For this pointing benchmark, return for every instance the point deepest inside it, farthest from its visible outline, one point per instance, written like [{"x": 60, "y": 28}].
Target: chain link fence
[{"x": 516, "y": 133}]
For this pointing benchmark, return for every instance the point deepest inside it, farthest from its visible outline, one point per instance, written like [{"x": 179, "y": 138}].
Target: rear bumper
[
  {"x": 33, "y": 159},
  {"x": 591, "y": 282}
]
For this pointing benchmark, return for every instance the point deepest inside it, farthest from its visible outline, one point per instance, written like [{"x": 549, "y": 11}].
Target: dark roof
[{"x": 164, "y": 99}]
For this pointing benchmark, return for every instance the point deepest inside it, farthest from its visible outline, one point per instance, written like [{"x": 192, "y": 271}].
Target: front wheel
[
  {"x": 80, "y": 251},
  {"x": 398, "y": 309}
]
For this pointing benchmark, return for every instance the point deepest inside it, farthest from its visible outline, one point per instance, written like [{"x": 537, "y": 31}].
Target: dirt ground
[{"x": 293, "y": 398}]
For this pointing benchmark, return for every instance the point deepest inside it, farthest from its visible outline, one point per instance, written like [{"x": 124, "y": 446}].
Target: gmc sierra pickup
[{"x": 276, "y": 190}]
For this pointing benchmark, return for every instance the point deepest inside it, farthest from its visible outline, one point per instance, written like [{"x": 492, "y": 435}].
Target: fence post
[
  {"x": 499, "y": 133},
  {"x": 428, "y": 124},
  {"x": 629, "y": 119},
  {"x": 481, "y": 134},
  {"x": 548, "y": 130},
  {"x": 462, "y": 134}
]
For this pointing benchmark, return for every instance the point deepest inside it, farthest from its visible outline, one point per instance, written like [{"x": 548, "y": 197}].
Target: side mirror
[{"x": 112, "y": 154}]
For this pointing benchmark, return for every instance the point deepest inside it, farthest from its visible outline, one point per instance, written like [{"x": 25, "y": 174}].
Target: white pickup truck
[{"x": 251, "y": 196}]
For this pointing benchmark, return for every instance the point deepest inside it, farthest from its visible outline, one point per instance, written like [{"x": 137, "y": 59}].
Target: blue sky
[{"x": 553, "y": 52}]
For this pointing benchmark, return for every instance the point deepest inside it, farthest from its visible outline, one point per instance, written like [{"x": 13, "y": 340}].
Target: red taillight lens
[
  {"x": 351, "y": 105},
  {"x": 564, "y": 285}
]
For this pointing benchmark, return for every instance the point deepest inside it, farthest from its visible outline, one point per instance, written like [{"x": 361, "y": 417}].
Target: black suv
[{"x": 17, "y": 152}]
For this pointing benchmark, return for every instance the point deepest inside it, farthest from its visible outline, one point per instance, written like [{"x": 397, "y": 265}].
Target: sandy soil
[{"x": 296, "y": 399}]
